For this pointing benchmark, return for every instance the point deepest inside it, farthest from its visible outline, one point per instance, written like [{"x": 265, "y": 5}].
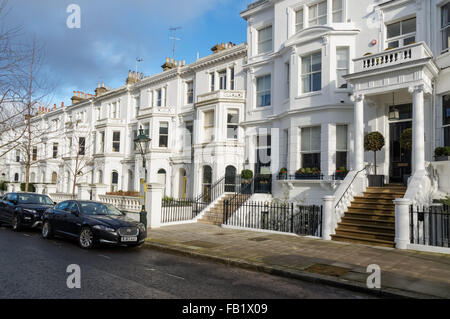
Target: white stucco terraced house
[{"x": 314, "y": 77}]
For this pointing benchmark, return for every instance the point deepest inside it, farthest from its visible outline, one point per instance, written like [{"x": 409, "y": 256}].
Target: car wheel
[
  {"x": 86, "y": 238},
  {"x": 47, "y": 231},
  {"x": 16, "y": 226}
]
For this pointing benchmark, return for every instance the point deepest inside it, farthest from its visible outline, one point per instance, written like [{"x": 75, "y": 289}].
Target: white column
[
  {"x": 153, "y": 200},
  {"x": 418, "y": 138},
  {"x": 328, "y": 217},
  {"x": 402, "y": 207},
  {"x": 359, "y": 131}
]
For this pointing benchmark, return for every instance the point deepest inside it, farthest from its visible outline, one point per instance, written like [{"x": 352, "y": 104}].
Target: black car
[
  {"x": 24, "y": 209},
  {"x": 92, "y": 223}
]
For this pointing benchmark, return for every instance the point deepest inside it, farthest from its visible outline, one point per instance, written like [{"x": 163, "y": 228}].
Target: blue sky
[{"x": 114, "y": 32}]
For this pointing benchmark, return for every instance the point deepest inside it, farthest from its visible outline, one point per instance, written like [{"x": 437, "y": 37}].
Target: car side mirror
[{"x": 55, "y": 203}]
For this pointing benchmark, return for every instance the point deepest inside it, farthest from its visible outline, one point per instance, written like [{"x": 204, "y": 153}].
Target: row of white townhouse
[{"x": 312, "y": 79}]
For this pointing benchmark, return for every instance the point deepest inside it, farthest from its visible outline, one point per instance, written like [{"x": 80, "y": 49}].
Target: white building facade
[{"x": 312, "y": 79}]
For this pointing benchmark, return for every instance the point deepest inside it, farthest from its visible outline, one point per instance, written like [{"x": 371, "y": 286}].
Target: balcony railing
[
  {"x": 409, "y": 53},
  {"x": 124, "y": 203},
  {"x": 221, "y": 94}
]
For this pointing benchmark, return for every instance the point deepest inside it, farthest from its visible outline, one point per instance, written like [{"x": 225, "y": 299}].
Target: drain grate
[
  {"x": 259, "y": 239},
  {"x": 327, "y": 270}
]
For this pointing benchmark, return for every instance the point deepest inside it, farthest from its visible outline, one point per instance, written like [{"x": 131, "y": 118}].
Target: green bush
[
  {"x": 446, "y": 201},
  {"x": 31, "y": 187},
  {"x": 246, "y": 174},
  {"x": 442, "y": 151},
  {"x": 3, "y": 186}
]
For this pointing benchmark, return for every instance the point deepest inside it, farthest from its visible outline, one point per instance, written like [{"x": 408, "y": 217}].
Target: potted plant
[
  {"x": 374, "y": 142},
  {"x": 442, "y": 153},
  {"x": 283, "y": 173},
  {"x": 264, "y": 184},
  {"x": 307, "y": 173},
  {"x": 341, "y": 173},
  {"x": 246, "y": 176}
]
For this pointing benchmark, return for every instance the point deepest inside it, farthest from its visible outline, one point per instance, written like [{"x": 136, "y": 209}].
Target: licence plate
[{"x": 127, "y": 239}]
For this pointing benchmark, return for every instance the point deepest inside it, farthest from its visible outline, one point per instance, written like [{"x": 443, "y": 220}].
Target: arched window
[
  {"x": 114, "y": 181},
  {"x": 230, "y": 178},
  {"x": 16, "y": 177},
  {"x": 162, "y": 179},
  {"x": 207, "y": 182},
  {"x": 54, "y": 177}
]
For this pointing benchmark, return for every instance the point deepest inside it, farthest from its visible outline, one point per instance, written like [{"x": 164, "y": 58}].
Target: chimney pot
[{"x": 62, "y": 104}]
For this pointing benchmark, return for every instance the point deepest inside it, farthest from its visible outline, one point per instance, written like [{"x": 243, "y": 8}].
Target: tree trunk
[{"x": 375, "y": 157}]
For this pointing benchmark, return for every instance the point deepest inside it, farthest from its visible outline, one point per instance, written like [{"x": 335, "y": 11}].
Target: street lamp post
[{"x": 142, "y": 143}]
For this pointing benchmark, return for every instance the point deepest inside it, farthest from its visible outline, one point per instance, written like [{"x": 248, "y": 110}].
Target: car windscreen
[
  {"x": 34, "y": 199},
  {"x": 98, "y": 209}
]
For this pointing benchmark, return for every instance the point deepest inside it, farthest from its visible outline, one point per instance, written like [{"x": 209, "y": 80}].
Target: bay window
[
  {"x": 337, "y": 11},
  {"x": 401, "y": 33},
  {"x": 223, "y": 80},
  {"x": 263, "y": 90},
  {"x": 190, "y": 92},
  {"x": 310, "y": 147},
  {"x": 299, "y": 20},
  {"x": 342, "y": 66},
  {"x": 116, "y": 142},
  {"x": 208, "y": 126},
  {"x": 341, "y": 146},
  {"x": 265, "y": 40},
  {"x": 232, "y": 124},
  {"x": 312, "y": 73},
  {"x": 163, "y": 134},
  {"x": 318, "y": 14},
  {"x": 445, "y": 26}
]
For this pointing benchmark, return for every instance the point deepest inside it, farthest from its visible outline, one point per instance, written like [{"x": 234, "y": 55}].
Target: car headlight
[
  {"x": 32, "y": 211},
  {"x": 105, "y": 228}
]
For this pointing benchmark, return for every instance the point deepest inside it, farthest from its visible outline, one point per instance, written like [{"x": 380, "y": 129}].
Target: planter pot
[
  {"x": 340, "y": 176},
  {"x": 376, "y": 180},
  {"x": 264, "y": 188},
  {"x": 442, "y": 158},
  {"x": 246, "y": 188},
  {"x": 307, "y": 176}
]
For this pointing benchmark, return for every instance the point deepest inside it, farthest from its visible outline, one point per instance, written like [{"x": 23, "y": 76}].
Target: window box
[{"x": 308, "y": 174}]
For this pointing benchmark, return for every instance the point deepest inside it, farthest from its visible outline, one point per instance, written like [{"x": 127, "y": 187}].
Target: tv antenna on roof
[{"x": 173, "y": 37}]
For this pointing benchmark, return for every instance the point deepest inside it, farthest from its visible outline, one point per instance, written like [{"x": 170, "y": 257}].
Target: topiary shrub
[
  {"x": 406, "y": 140},
  {"x": 31, "y": 187},
  {"x": 246, "y": 174},
  {"x": 374, "y": 142}
]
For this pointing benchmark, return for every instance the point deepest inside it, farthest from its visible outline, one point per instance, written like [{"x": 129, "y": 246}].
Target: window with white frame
[
  {"x": 163, "y": 134},
  {"x": 114, "y": 110},
  {"x": 82, "y": 146},
  {"x": 55, "y": 150},
  {"x": 34, "y": 153},
  {"x": 232, "y": 78},
  {"x": 159, "y": 97},
  {"x": 341, "y": 146},
  {"x": 446, "y": 118},
  {"x": 310, "y": 147},
  {"x": 312, "y": 72},
  {"x": 337, "y": 11},
  {"x": 318, "y": 14},
  {"x": 232, "y": 124},
  {"x": 263, "y": 90},
  {"x": 116, "y": 142},
  {"x": 222, "y": 80},
  {"x": 342, "y": 66},
  {"x": 212, "y": 80},
  {"x": 445, "y": 26},
  {"x": 299, "y": 20},
  {"x": 401, "y": 33},
  {"x": 287, "y": 67},
  {"x": 190, "y": 92},
  {"x": 17, "y": 156},
  {"x": 208, "y": 126},
  {"x": 265, "y": 40}
]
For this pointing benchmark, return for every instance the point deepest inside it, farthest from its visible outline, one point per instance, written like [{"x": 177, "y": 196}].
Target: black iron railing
[
  {"x": 306, "y": 221},
  {"x": 430, "y": 226},
  {"x": 176, "y": 210},
  {"x": 212, "y": 192}
]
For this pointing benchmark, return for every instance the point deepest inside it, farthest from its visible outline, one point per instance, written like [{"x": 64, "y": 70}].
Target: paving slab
[{"x": 404, "y": 273}]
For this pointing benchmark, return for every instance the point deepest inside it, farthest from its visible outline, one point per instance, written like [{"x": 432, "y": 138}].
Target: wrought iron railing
[
  {"x": 282, "y": 217},
  {"x": 177, "y": 210},
  {"x": 430, "y": 226}
]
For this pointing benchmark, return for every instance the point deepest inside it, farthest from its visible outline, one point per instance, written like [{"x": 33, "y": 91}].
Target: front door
[{"x": 400, "y": 159}]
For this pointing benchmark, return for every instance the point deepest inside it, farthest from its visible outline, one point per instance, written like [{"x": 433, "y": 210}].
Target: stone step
[
  {"x": 357, "y": 240},
  {"x": 371, "y": 216},
  {"x": 384, "y": 210},
  {"x": 372, "y": 206},
  {"x": 364, "y": 235},
  {"x": 367, "y": 227},
  {"x": 368, "y": 222},
  {"x": 382, "y": 196},
  {"x": 365, "y": 200}
]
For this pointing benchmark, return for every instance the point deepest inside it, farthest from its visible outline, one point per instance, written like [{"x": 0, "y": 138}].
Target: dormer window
[{"x": 401, "y": 33}]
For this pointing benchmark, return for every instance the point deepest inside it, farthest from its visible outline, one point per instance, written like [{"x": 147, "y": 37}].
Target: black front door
[{"x": 400, "y": 159}]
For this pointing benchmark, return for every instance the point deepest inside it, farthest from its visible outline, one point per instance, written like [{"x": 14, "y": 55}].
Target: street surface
[{"x": 31, "y": 267}]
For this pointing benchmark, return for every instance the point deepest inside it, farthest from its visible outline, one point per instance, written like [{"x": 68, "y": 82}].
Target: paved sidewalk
[{"x": 403, "y": 273}]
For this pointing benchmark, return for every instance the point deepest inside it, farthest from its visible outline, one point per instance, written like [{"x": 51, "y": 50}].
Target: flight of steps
[
  {"x": 214, "y": 216},
  {"x": 370, "y": 219}
]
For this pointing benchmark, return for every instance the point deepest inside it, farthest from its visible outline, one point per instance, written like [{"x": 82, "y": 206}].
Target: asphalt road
[{"x": 31, "y": 267}]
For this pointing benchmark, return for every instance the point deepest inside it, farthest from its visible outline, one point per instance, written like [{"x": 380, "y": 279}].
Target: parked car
[
  {"x": 24, "y": 209},
  {"x": 92, "y": 223}
]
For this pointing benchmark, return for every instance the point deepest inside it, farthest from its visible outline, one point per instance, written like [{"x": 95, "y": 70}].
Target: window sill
[
  {"x": 309, "y": 94},
  {"x": 262, "y": 108}
]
